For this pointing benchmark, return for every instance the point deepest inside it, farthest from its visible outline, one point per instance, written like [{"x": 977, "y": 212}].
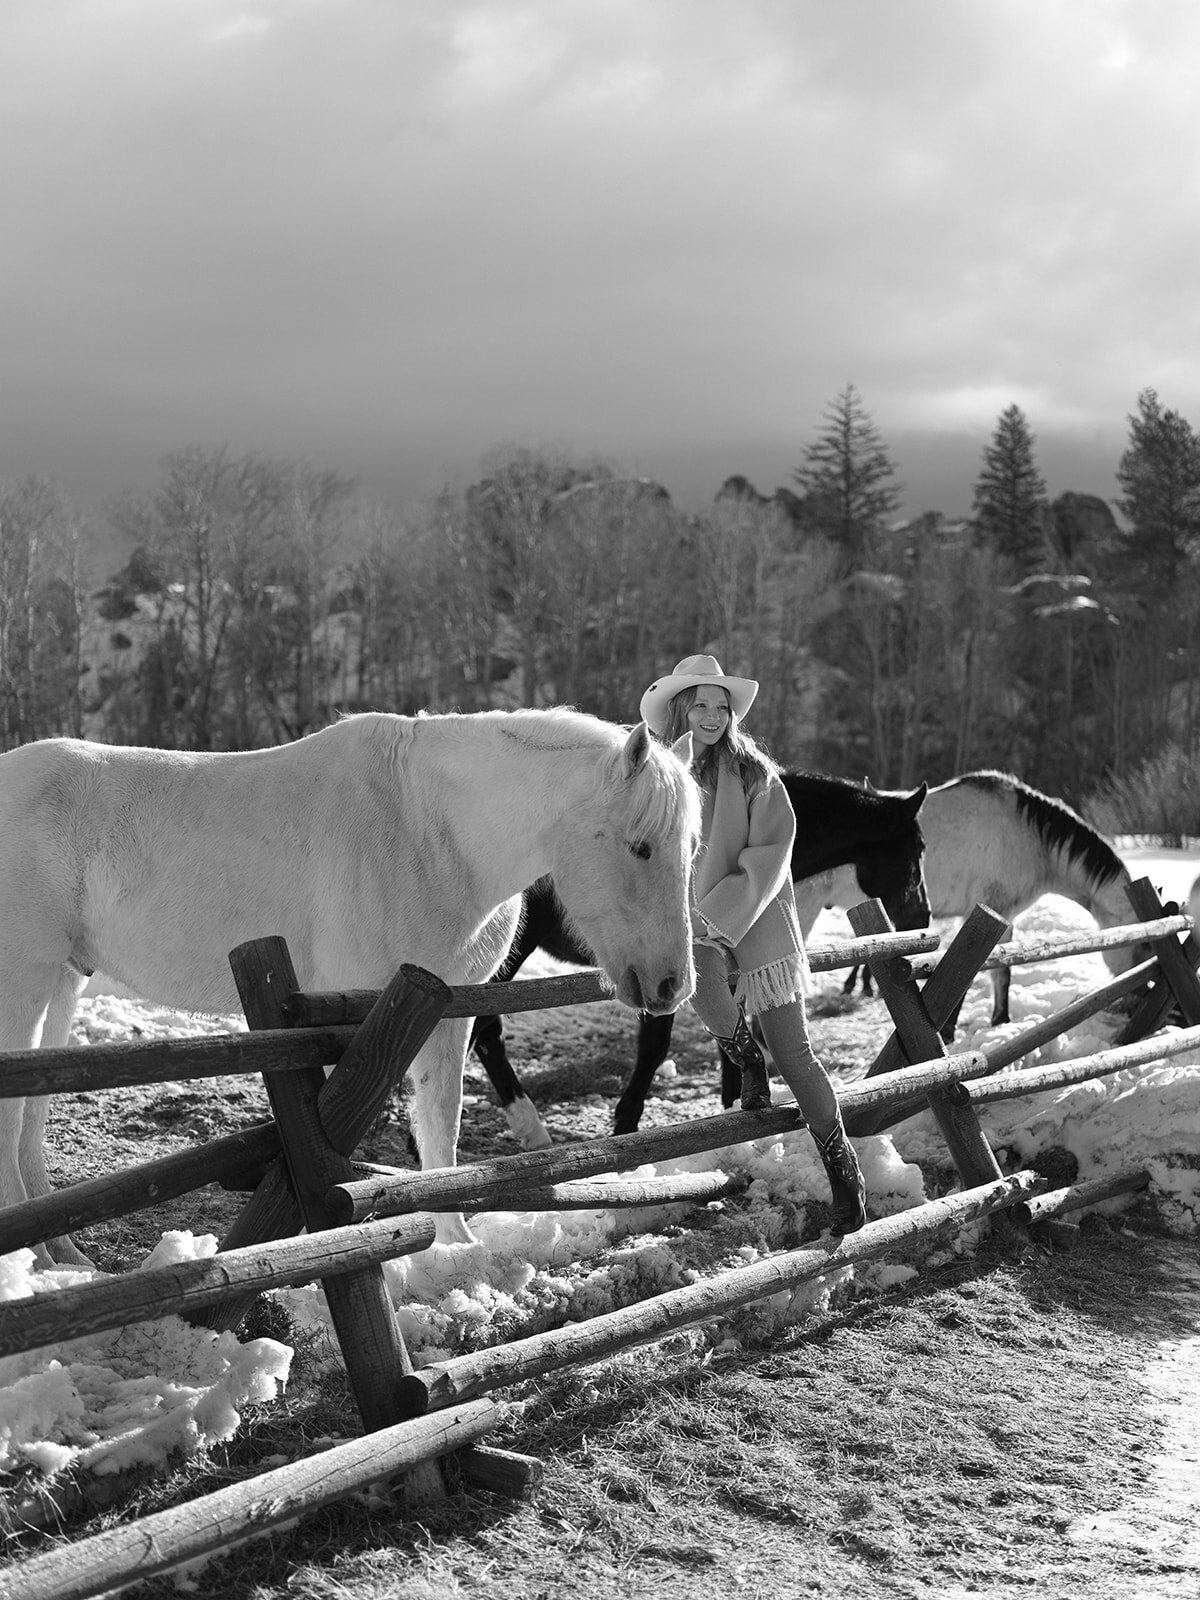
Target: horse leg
[
  {"x": 12, "y": 1185},
  {"x": 56, "y": 1032},
  {"x": 24, "y": 999},
  {"x": 435, "y": 1111},
  {"x": 540, "y": 914},
  {"x": 1001, "y": 982},
  {"x": 527, "y": 1127},
  {"x": 654, "y": 1041}
]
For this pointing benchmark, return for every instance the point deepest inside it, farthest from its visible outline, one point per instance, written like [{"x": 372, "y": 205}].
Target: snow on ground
[{"x": 143, "y": 1393}]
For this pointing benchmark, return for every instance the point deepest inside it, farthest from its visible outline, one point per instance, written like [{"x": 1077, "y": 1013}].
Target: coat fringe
[{"x": 777, "y": 984}]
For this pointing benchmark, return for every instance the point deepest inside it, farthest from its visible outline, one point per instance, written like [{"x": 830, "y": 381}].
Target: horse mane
[
  {"x": 1055, "y": 823},
  {"x": 655, "y": 794}
]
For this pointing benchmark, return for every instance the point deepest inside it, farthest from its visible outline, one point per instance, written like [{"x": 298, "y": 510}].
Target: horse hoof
[
  {"x": 450, "y": 1228},
  {"x": 527, "y": 1127},
  {"x": 64, "y": 1252}
]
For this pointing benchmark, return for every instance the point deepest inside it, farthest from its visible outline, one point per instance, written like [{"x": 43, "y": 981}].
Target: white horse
[
  {"x": 377, "y": 841},
  {"x": 991, "y": 838}
]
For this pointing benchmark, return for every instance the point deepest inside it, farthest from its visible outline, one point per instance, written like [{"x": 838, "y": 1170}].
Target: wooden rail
[
  {"x": 217, "y": 1521},
  {"x": 453, "y": 1382},
  {"x": 1023, "y": 952},
  {"x": 335, "y": 1008}
]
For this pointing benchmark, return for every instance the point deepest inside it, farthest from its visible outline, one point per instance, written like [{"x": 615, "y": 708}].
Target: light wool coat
[{"x": 743, "y": 888}]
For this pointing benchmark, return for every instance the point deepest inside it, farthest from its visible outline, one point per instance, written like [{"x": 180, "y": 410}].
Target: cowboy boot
[
  {"x": 845, "y": 1179},
  {"x": 742, "y": 1049}
]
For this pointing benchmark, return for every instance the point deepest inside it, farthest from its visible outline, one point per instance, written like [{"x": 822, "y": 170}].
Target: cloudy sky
[{"x": 392, "y": 235}]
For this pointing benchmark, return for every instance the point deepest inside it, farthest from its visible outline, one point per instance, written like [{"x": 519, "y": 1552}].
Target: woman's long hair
[{"x": 735, "y": 748}]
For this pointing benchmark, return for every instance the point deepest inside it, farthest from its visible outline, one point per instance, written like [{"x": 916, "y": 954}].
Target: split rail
[{"x": 299, "y": 1172}]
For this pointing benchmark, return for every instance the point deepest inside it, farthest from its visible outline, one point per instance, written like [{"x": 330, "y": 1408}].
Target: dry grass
[{"x": 940, "y": 1440}]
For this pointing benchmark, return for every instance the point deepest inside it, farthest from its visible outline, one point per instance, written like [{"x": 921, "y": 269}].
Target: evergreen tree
[
  {"x": 1010, "y": 497},
  {"x": 849, "y": 478},
  {"x": 1160, "y": 478}
]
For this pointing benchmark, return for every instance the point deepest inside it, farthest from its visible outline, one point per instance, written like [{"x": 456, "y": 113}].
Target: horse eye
[{"x": 641, "y": 850}]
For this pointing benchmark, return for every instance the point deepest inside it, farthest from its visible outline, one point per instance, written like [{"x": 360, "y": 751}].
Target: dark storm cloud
[{"x": 390, "y": 237}]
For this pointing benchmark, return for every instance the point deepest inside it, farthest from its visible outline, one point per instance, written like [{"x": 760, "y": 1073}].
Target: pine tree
[
  {"x": 1010, "y": 497},
  {"x": 848, "y": 477},
  {"x": 1160, "y": 476}
]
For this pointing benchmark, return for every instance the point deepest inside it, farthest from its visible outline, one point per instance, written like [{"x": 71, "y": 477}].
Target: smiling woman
[{"x": 747, "y": 933}]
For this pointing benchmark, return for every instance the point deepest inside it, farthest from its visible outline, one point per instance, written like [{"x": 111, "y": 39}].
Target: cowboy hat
[{"x": 691, "y": 672}]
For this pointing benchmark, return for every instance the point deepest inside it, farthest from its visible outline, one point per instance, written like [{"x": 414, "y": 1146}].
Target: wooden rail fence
[{"x": 299, "y": 1172}]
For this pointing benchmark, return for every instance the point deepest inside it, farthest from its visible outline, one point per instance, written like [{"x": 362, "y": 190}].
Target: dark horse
[{"x": 840, "y": 825}]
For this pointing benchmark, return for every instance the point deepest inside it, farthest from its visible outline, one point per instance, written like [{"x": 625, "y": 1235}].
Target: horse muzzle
[{"x": 643, "y": 994}]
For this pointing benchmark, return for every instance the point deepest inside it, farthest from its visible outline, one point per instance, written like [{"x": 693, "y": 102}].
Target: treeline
[{"x": 264, "y": 597}]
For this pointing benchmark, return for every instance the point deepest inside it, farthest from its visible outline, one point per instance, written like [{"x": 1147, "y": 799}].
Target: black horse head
[{"x": 878, "y": 833}]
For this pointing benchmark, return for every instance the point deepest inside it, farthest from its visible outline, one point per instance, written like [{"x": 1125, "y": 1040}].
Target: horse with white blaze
[
  {"x": 377, "y": 841},
  {"x": 992, "y": 838}
]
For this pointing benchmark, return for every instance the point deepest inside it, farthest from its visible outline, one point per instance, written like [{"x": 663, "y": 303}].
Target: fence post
[
  {"x": 939, "y": 1000},
  {"x": 372, "y": 1348},
  {"x": 971, "y": 1153},
  {"x": 1176, "y": 963},
  {"x": 948, "y": 983}
]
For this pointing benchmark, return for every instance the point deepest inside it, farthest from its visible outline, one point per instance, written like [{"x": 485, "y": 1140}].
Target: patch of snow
[{"x": 141, "y": 1393}]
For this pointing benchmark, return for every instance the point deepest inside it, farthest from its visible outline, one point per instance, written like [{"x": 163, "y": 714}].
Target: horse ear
[
  {"x": 916, "y": 798},
  {"x": 683, "y": 749},
  {"x": 637, "y": 749}
]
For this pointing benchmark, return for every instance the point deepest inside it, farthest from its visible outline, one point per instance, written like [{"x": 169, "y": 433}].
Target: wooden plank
[
  {"x": 943, "y": 993},
  {"x": 216, "y": 1522},
  {"x": 501, "y": 1182},
  {"x": 1061, "y": 1074},
  {"x": 359, "y": 1304},
  {"x": 599, "y": 1194},
  {"x": 451, "y": 1382},
  {"x": 119, "y": 1066},
  {"x": 866, "y": 1116},
  {"x": 1176, "y": 968},
  {"x": 1021, "y": 952},
  {"x": 329, "y": 1009},
  {"x": 972, "y": 1155},
  {"x": 506, "y": 1472},
  {"x": 381, "y": 1052},
  {"x": 183, "y": 1286},
  {"x": 225, "y": 1161},
  {"x": 1040, "y": 1208}
]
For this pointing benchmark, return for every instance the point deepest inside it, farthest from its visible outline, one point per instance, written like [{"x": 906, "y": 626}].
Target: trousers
[{"x": 785, "y": 1029}]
